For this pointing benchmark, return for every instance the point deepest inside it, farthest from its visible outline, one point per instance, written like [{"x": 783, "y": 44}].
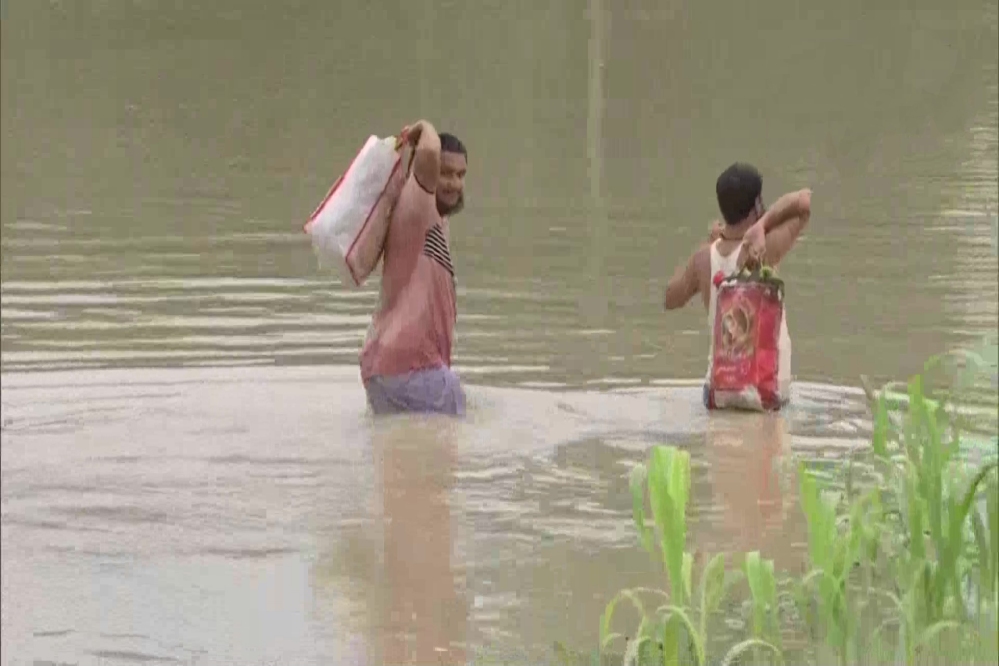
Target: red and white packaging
[
  {"x": 348, "y": 228},
  {"x": 746, "y": 350}
]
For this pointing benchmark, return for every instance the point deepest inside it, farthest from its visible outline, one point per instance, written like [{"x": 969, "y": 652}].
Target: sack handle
[
  {"x": 762, "y": 273},
  {"x": 402, "y": 147}
]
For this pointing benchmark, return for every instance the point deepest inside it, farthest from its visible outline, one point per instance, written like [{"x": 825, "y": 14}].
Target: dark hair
[
  {"x": 738, "y": 187},
  {"x": 452, "y": 144}
]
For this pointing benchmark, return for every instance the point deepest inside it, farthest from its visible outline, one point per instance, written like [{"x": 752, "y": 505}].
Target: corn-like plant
[
  {"x": 676, "y": 630},
  {"x": 929, "y": 532},
  {"x": 903, "y": 568}
]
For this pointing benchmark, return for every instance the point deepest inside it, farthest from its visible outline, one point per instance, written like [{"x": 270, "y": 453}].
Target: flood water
[{"x": 189, "y": 472}]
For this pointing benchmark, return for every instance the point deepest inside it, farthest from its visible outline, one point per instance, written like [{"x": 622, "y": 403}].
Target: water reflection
[
  {"x": 753, "y": 487},
  {"x": 202, "y": 182},
  {"x": 424, "y": 616},
  {"x": 401, "y": 562},
  {"x": 184, "y": 249}
]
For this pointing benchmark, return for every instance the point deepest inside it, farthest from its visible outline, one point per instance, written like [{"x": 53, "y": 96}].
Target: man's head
[
  {"x": 740, "y": 194},
  {"x": 451, "y": 185}
]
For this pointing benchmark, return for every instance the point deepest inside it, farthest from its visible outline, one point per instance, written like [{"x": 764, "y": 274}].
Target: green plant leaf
[
  {"x": 832, "y": 603},
  {"x": 754, "y": 577},
  {"x": 610, "y": 638},
  {"x": 712, "y": 590},
  {"x": 677, "y": 618},
  {"x": 636, "y": 483},
  {"x": 737, "y": 650},
  {"x": 815, "y": 515},
  {"x": 763, "y": 591},
  {"x": 986, "y": 561},
  {"x": 688, "y": 566},
  {"x": 672, "y": 642},
  {"x": 935, "y": 630},
  {"x": 992, "y": 514},
  {"x": 879, "y": 439},
  {"x": 972, "y": 490},
  {"x": 633, "y": 653},
  {"x": 953, "y": 548},
  {"x": 770, "y": 589},
  {"x": 669, "y": 486},
  {"x": 891, "y": 621},
  {"x": 661, "y": 504},
  {"x": 914, "y": 517},
  {"x": 608, "y": 615},
  {"x": 713, "y": 585},
  {"x": 562, "y": 654}
]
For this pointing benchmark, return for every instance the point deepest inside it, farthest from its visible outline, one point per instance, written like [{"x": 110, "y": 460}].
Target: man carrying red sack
[{"x": 750, "y": 235}]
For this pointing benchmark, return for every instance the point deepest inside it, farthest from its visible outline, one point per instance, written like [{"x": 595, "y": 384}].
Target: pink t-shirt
[{"x": 413, "y": 327}]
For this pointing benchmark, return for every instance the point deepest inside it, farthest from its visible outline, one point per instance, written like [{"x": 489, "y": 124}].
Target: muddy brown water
[{"x": 189, "y": 474}]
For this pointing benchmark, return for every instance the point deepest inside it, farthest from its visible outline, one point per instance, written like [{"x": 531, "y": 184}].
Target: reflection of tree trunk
[
  {"x": 424, "y": 615},
  {"x": 595, "y": 101},
  {"x": 597, "y": 294},
  {"x": 523, "y": 106}
]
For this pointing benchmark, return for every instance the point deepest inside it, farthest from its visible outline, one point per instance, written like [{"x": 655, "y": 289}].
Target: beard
[{"x": 445, "y": 210}]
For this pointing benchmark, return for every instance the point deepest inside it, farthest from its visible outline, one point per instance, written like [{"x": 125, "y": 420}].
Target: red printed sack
[{"x": 745, "y": 353}]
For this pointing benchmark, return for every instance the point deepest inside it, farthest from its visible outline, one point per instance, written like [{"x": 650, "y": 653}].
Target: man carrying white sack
[{"x": 406, "y": 358}]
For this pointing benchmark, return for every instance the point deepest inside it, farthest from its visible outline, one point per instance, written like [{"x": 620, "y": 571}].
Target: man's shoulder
[
  {"x": 700, "y": 266},
  {"x": 701, "y": 258}
]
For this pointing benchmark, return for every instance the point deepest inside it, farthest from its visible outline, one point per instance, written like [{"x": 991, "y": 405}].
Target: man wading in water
[
  {"x": 750, "y": 234},
  {"x": 406, "y": 358}
]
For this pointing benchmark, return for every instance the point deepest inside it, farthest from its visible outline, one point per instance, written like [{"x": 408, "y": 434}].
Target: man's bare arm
[
  {"x": 684, "y": 284},
  {"x": 427, "y": 154},
  {"x": 784, "y": 222}
]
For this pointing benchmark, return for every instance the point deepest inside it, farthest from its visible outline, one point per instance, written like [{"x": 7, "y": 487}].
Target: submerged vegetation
[{"x": 902, "y": 559}]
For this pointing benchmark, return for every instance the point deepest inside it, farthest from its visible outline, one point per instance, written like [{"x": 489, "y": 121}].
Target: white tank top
[{"x": 729, "y": 265}]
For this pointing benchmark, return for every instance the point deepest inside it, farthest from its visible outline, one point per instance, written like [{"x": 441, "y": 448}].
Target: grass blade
[
  {"x": 713, "y": 584},
  {"x": 688, "y": 567},
  {"x": 932, "y": 632},
  {"x": 636, "y": 483},
  {"x": 633, "y": 654},
  {"x": 879, "y": 440},
  {"x": 712, "y": 591},
  {"x": 674, "y": 614},
  {"x": 606, "y": 636},
  {"x": 740, "y": 648}
]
